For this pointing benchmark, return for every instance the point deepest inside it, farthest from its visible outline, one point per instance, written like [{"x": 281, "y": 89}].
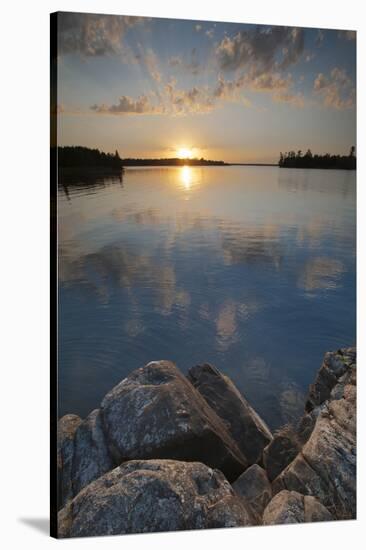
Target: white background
[{"x": 24, "y": 289}]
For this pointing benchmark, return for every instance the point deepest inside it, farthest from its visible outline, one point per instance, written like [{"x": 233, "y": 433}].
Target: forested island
[
  {"x": 327, "y": 161},
  {"x": 83, "y": 157}
]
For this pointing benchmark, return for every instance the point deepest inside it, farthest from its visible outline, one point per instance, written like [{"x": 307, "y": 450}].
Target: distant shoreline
[
  {"x": 69, "y": 170},
  {"x": 251, "y": 164},
  {"x": 83, "y": 159},
  {"x": 222, "y": 163},
  {"x": 206, "y": 163}
]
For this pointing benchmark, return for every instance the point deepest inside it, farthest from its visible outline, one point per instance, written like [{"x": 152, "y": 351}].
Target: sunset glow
[
  {"x": 185, "y": 153},
  {"x": 242, "y": 92}
]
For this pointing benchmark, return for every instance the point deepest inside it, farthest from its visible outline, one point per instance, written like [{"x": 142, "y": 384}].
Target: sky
[{"x": 151, "y": 87}]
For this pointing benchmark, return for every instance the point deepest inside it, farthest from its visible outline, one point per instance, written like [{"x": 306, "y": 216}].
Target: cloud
[
  {"x": 261, "y": 50},
  {"x": 193, "y": 100},
  {"x": 347, "y": 35},
  {"x": 269, "y": 82},
  {"x": 171, "y": 100},
  {"x": 279, "y": 87},
  {"x": 91, "y": 34},
  {"x": 321, "y": 273},
  {"x": 293, "y": 49},
  {"x": 296, "y": 100},
  {"x": 168, "y": 99},
  {"x": 128, "y": 105},
  {"x": 149, "y": 60},
  {"x": 227, "y": 89},
  {"x": 193, "y": 66},
  {"x": 336, "y": 90},
  {"x": 265, "y": 82}
]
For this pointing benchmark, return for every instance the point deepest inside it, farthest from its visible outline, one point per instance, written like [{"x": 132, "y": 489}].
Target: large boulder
[
  {"x": 156, "y": 413},
  {"x": 153, "y": 495},
  {"x": 91, "y": 455},
  {"x": 66, "y": 429},
  {"x": 254, "y": 487},
  {"x": 326, "y": 465},
  {"x": 292, "y": 507},
  {"x": 244, "y": 425},
  {"x": 280, "y": 451}
]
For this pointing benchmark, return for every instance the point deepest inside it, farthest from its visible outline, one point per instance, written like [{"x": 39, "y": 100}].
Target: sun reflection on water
[{"x": 186, "y": 177}]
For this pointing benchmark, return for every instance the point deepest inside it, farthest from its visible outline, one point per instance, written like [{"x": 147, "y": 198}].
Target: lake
[{"x": 251, "y": 269}]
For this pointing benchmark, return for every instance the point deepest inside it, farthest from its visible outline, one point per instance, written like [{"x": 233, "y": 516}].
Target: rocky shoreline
[{"x": 168, "y": 452}]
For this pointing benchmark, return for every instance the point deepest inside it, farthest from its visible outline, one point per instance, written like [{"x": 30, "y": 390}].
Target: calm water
[{"x": 251, "y": 269}]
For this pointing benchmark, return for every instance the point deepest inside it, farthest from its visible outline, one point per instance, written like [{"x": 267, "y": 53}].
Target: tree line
[
  {"x": 83, "y": 157},
  {"x": 308, "y": 160},
  {"x": 172, "y": 162}
]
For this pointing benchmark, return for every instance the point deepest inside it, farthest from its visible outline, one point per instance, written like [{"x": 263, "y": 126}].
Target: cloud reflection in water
[{"x": 145, "y": 274}]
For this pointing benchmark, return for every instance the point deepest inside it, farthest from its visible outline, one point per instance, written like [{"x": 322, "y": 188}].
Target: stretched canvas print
[{"x": 203, "y": 196}]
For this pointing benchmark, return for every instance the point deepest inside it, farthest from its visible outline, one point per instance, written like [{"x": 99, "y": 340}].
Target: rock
[
  {"x": 307, "y": 423},
  {"x": 153, "y": 495},
  {"x": 156, "y": 413},
  {"x": 66, "y": 429},
  {"x": 281, "y": 451},
  {"x": 326, "y": 465},
  {"x": 292, "y": 507},
  {"x": 91, "y": 455},
  {"x": 315, "y": 511},
  {"x": 253, "y": 485},
  {"x": 335, "y": 364},
  {"x": 172, "y": 425},
  {"x": 244, "y": 425},
  {"x": 349, "y": 378}
]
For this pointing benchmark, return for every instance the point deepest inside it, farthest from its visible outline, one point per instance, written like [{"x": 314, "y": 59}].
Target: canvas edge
[{"x": 53, "y": 277}]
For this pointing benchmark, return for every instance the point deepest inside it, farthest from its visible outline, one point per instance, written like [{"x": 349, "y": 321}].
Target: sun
[{"x": 185, "y": 153}]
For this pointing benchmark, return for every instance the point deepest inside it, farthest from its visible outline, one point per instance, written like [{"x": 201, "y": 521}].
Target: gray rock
[
  {"x": 253, "y": 485},
  {"x": 335, "y": 364},
  {"x": 349, "y": 378},
  {"x": 326, "y": 465},
  {"x": 150, "y": 496},
  {"x": 315, "y": 511},
  {"x": 281, "y": 451},
  {"x": 307, "y": 423},
  {"x": 66, "y": 429},
  {"x": 293, "y": 507},
  {"x": 156, "y": 413},
  {"x": 244, "y": 425},
  {"x": 91, "y": 455}
]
